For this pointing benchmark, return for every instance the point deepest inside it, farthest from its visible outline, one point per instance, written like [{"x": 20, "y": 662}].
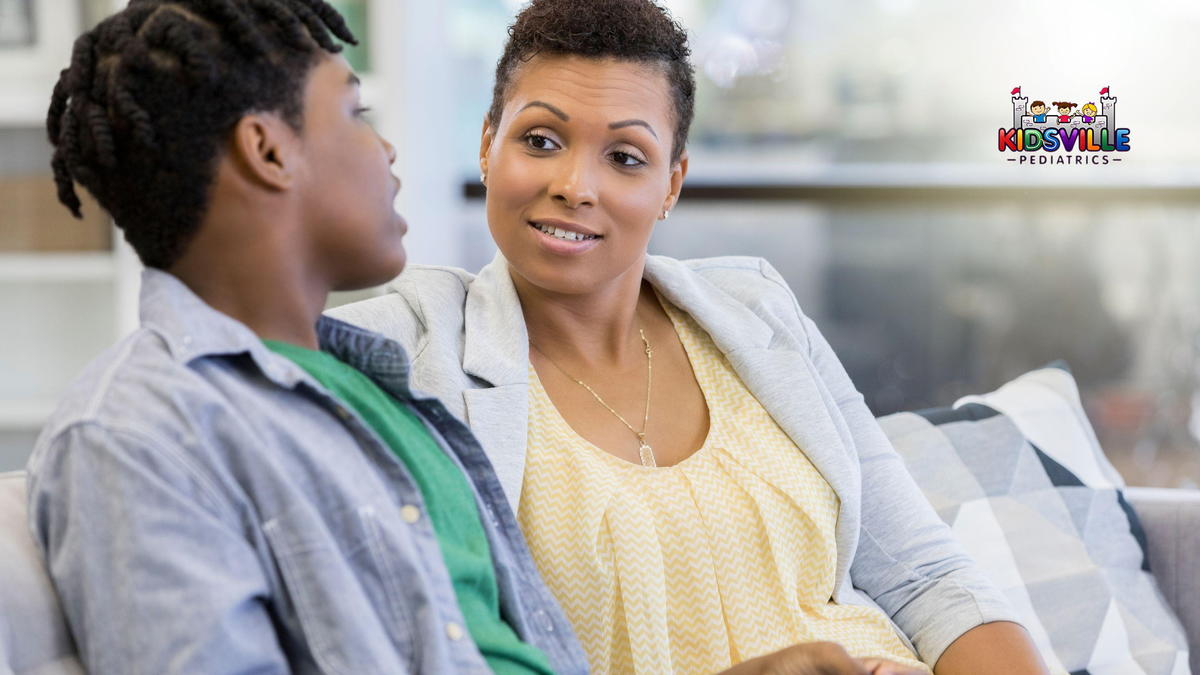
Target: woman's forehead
[{"x": 582, "y": 85}]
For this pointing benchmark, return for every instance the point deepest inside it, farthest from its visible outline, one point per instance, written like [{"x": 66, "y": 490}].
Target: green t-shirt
[{"x": 449, "y": 500}]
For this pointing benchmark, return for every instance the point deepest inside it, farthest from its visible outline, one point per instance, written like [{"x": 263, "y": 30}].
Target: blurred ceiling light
[
  {"x": 897, "y": 6},
  {"x": 763, "y": 17},
  {"x": 729, "y": 57},
  {"x": 743, "y": 37}
]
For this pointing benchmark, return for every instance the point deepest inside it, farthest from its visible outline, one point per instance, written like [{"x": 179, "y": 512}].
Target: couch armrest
[
  {"x": 1171, "y": 519},
  {"x": 34, "y": 638}
]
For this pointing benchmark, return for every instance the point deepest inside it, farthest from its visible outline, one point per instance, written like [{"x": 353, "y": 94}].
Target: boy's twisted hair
[{"x": 140, "y": 116}]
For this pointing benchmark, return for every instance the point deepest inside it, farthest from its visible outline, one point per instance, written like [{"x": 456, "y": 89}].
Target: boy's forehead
[{"x": 332, "y": 71}]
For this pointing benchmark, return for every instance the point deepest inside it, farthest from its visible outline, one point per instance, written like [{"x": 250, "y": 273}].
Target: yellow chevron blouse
[{"x": 692, "y": 568}]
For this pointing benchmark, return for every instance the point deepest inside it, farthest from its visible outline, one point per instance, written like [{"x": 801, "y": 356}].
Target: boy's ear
[{"x": 265, "y": 150}]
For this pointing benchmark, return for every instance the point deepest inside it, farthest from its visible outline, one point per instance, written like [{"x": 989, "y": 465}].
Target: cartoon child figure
[
  {"x": 1089, "y": 112},
  {"x": 1064, "y": 111},
  {"x": 1038, "y": 110}
]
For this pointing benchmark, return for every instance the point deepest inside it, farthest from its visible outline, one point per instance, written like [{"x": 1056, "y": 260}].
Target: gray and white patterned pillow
[{"x": 1020, "y": 477}]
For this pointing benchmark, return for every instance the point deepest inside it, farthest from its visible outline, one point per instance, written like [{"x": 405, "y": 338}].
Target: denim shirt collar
[{"x": 193, "y": 329}]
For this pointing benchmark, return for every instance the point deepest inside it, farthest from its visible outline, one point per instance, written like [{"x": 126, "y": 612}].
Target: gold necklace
[{"x": 645, "y": 452}]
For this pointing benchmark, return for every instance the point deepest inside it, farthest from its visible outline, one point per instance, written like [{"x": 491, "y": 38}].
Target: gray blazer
[{"x": 468, "y": 344}]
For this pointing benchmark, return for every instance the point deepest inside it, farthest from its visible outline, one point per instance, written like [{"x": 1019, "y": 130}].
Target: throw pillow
[{"x": 1020, "y": 477}]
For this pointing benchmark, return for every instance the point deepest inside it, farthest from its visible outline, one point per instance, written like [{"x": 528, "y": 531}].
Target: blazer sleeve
[{"x": 907, "y": 559}]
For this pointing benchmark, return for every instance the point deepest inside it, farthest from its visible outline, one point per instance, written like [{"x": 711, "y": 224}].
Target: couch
[{"x": 34, "y": 639}]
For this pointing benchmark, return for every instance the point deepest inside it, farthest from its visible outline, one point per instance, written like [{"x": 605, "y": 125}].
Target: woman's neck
[{"x": 594, "y": 330}]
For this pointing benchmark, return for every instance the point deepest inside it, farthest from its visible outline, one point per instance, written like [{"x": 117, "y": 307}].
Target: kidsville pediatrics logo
[{"x": 1064, "y": 132}]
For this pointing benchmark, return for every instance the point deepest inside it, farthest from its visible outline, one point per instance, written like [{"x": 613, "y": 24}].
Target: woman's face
[{"x": 579, "y": 170}]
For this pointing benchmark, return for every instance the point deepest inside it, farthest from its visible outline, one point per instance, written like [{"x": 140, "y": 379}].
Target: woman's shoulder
[
  {"x": 737, "y": 273},
  {"x": 401, "y": 312},
  {"x": 748, "y": 280}
]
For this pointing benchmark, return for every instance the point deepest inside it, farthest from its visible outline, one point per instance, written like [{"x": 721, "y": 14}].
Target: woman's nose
[{"x": 574, "y": 185}]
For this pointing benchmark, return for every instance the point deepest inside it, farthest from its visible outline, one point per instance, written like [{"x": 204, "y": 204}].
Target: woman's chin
[{"x": 556, "y": 279}]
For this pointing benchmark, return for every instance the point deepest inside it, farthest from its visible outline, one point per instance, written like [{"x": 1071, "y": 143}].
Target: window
[{"x": 854, "y": 145}]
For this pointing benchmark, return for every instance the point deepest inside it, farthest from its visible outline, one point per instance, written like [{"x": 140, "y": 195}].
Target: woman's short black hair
[
  {"x": 626, "y": 30},
  {"x": 141, "y": 115}
]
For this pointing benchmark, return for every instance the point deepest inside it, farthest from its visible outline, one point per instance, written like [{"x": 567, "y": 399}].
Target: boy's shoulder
[
  {"x": 136, "y": 385},
  {"x": 139, "y": 359}
]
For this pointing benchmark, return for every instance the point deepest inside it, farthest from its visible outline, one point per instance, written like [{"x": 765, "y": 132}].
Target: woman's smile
[{"x": 562, "y": 237}]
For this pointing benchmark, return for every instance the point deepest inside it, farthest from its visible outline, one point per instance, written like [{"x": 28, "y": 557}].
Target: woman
[{"x": 698, "y": 480}]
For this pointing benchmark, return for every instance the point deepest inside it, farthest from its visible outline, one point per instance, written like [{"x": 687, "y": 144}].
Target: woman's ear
[
  {"x": 486, "y": 136},
  {"x": 263, "y": 148},
  {"x": 678, "y": 173}
]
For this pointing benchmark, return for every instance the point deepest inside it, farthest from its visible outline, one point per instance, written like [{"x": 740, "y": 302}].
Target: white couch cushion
[{"x": 34, "y": 639}]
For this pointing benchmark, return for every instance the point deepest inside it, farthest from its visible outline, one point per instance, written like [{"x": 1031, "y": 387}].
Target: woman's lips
[{"x": 561, "y": 246}]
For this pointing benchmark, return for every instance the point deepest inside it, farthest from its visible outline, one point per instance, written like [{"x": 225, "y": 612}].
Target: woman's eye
[
  {"x": 540, "y": 142},
  {"x": 626, "y": 159}
]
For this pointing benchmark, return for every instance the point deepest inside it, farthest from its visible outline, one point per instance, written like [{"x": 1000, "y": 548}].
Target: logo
[{"x": 1063, "y": 132}]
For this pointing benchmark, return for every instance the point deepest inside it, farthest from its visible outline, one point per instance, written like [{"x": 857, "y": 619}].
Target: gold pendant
[{"x": 646, "y": 455}]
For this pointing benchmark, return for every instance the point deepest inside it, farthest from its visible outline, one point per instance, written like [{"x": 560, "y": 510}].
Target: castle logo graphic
[{"x": 1063, "y": 132}]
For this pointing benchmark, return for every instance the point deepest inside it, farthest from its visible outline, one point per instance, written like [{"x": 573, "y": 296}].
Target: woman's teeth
[{"x": 567, "y": 235}]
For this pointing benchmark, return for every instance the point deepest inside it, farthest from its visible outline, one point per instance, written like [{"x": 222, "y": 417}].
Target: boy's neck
[{"x": 257, "y": 276}]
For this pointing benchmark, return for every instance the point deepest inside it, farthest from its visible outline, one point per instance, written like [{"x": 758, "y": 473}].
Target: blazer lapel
[
  {"x": 496, "y": 351},
  {"x": 776, "y": 369},
  {"x": 498, "y": 415},
  {"x": 803, "y": 409}
]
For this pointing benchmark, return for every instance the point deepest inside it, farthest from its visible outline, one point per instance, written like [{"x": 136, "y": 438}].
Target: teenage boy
[{"x": 243, "y": 485}]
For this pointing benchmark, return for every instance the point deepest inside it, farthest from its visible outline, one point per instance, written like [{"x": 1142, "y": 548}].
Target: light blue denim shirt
[{"x": 205, "y": 506}]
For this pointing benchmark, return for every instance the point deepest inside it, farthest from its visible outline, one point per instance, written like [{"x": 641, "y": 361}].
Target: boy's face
[
  {"x": 346, "y": 185},
  {"x": 1038, "y": 109}
]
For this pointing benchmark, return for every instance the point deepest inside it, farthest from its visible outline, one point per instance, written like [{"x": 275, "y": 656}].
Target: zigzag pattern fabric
[{"x": 691, "y": 568}]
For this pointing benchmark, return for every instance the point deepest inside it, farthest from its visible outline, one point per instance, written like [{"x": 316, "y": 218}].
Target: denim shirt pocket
[{"x": 342, "y": 589}]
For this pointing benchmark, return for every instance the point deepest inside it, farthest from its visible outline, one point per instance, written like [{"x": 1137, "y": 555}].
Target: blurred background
[{"x": 853, "y": 144}]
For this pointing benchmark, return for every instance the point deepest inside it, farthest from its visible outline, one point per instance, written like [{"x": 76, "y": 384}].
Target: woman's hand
[
  {"x": 808, "y": 658},
  {"x": 817, "y": 658},
  {"x": 885, "y": 667}
]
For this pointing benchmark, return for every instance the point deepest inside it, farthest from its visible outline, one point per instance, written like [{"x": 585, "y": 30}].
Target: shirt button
[
  {"x": 454, "y": 631},
  {"x": 410, "y": 514}
]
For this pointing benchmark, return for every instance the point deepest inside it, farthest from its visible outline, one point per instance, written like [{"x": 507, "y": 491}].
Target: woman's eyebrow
[
  {"x": 566, "y": 118},
  {"x": 542, "y": 104},
  {"x": 632, "y": 123}
]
